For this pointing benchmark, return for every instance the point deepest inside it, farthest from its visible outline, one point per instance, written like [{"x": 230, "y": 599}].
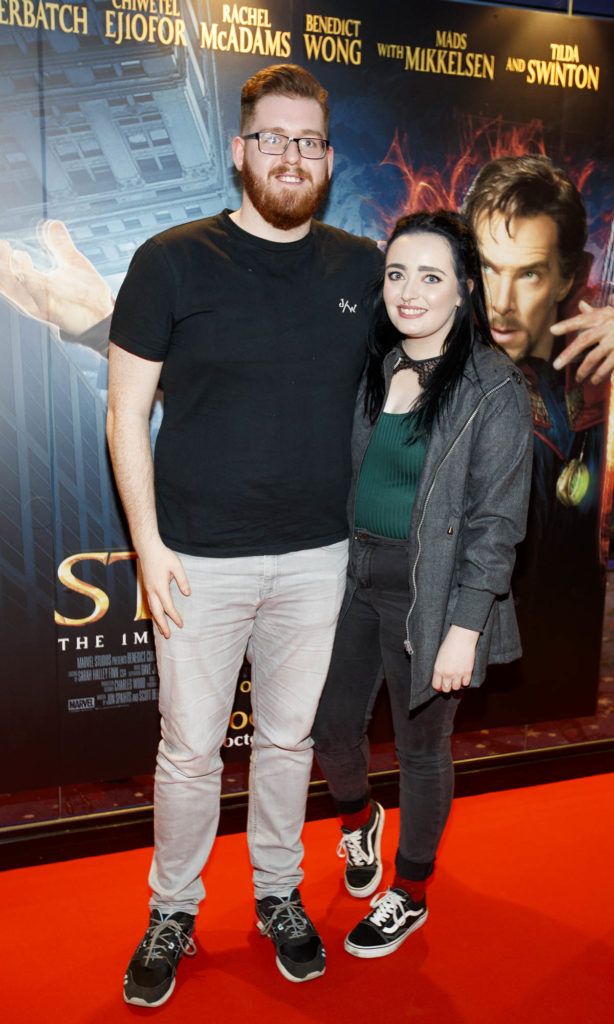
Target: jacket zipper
[{"x": 407, "y": 642}]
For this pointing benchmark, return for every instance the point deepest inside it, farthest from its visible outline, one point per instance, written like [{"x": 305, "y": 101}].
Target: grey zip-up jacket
[{"x": 469, "y": 514}]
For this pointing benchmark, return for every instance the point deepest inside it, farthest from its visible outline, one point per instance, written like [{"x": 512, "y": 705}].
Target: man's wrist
[{"x": 144, "y": 543}]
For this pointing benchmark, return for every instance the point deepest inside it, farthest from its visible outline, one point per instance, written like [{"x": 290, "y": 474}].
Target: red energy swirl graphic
[{"x": 429, "y": 188}]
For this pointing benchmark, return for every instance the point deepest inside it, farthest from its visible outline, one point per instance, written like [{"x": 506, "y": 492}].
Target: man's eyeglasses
[{"x": 274, "y": 144}]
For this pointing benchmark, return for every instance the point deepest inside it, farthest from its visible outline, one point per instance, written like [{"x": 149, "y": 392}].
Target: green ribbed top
[{"x": 389, "y": 478}]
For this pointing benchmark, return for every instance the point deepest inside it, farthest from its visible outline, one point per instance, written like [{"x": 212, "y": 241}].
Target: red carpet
[{"x": 521, "y": 929}]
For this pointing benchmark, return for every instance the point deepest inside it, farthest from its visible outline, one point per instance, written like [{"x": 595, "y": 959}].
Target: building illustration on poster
[
  {"x": 115, "y": 124},
  {"x": 130, "y": 140}
]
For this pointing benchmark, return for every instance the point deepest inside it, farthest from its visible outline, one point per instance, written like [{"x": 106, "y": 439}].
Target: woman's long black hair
[{"x": 470, "y": 325}]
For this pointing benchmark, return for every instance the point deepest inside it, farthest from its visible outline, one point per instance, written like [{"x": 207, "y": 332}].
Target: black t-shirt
[{"x": 263, "y": 344}]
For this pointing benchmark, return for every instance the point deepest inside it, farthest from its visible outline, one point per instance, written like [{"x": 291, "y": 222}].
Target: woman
[{"x": 442, "y": 456}]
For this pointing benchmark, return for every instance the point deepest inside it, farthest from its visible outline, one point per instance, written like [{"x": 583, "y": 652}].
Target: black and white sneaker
[
  {"x": 394, "y": 917},
  {"x": 300, "y": 953},
  {"x": 361, "y": 849},
  {"x": 150, "y": 976}
]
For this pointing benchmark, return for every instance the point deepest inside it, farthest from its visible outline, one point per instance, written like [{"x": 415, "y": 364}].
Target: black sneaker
[
  {"x": 361, "y": 849},
  {"x": 394, "y": 917},
  {"x": 300, "y": 954},
  {"x": 150, "y": 977}
]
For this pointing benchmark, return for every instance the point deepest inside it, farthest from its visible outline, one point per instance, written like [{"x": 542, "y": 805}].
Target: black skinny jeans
[{"x": 370, "y": 636}]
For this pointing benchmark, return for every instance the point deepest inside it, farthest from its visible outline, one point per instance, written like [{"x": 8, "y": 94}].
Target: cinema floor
[{"x": 521, "y": 928}]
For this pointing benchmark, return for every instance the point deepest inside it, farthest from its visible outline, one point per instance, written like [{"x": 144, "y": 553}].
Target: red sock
[
  {"x": 415, "y": 890},
  {"x": 357, "y": 819}
]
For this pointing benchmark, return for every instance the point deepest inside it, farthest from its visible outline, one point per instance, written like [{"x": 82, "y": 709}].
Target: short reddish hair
[{"x": 281, "y": 80}]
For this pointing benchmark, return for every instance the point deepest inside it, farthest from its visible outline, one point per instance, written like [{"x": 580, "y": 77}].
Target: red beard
[{"x": 287, "y": 209}]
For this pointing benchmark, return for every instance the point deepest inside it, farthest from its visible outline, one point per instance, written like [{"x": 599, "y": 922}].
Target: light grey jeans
[{"x": 286, "y": 608}]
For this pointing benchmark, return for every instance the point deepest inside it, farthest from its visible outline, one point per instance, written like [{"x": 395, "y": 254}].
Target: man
[
  {"x": 531, "y": 227},
  {"x": 530, "y": 214},
  {"x": 252, "y": 323}
]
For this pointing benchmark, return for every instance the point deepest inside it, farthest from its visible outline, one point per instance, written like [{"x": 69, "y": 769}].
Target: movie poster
[{"x": 115, "y": 123}]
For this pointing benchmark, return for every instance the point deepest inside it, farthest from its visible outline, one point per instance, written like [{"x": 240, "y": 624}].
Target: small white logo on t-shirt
[{"x": 345, "y": 306}]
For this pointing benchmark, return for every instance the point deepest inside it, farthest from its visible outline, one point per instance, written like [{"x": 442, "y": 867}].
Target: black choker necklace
[{"x": 422, "y": 367}]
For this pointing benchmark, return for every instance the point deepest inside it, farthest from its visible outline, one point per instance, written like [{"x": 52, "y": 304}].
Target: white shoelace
[
  {"x": 350, "y": 847},
  {"x": 158, "y": 945},
  {"x": 388, "y": 905},
  {"x": 288, "y": 916}
]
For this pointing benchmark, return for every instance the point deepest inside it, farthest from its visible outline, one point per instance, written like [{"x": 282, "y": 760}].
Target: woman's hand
[{"x": 454, "y": 661}]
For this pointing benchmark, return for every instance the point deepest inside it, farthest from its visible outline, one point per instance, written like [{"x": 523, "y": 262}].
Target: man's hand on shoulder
[
  {"x": 595, "y": 327},
  {"x": 160, "y": 566}
]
